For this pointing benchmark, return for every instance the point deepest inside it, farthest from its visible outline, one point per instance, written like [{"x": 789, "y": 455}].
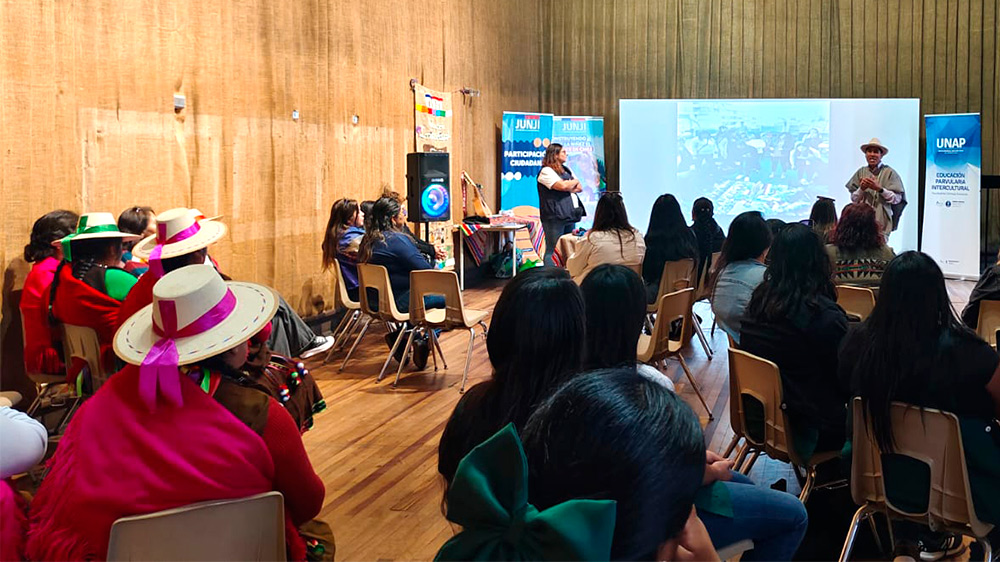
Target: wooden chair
[
  {"x": 352, "y": 318},
  {"x": 679, "y": 275},
  {"x": 857, "y": 302},
  {"x": 376, "y": 277},
  {"x": 701, "y": 290},
  {"x": 453, "y": 315},
  {"x": 989, "y": 321},
  {"x": 251, "y": 528},
  {"x": 656, "y": 348},
  {"x": 934, "y": 438},
  {"x": 82, "y": 342},
  {"x": 760, "y": 379},
  {"x": 735, "y": 410}
]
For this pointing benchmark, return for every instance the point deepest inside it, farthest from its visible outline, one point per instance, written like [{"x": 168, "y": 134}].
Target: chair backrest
[
  {"x": 377, "y": 277},
  {"x": 736, "y": 414},
  {"x": 251, "y": 528},
  {"x": 669, "y": 307},
  {"x": 433, "y": 282},
  {"x": 82, "y": 342},
  {"x": 343, "y": 299},
  {"x": 856, "y": 301},
  {"x": 760, "y": 379},
  {"x": 930, "y": 436},
  {"x": 702, "y": 289},
  {"x": 989, "y": 321}
]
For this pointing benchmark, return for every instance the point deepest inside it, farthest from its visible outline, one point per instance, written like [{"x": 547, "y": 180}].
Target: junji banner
[
  {"x": 951, "y": 187},
  {"x": 583, "y": 139},
  {"x": 524, "y": 136}
]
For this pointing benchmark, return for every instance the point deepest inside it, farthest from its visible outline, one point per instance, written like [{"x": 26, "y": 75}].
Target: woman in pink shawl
[{"x": 175, "y": 426}]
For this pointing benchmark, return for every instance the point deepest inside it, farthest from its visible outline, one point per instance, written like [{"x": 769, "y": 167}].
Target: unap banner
[
  {"x": 525, "y": 136},
  {"x": 951, "y": 187},
  {"x": 583, "y": 139}
]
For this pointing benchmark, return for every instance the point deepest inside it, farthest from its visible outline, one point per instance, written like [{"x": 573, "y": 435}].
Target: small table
[{"x": 460, "y": 254}]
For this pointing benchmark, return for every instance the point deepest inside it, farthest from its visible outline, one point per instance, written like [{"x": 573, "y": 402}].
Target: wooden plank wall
[
  {"x": 87, "y": 121},
  {"x": 946, "y": 52}
]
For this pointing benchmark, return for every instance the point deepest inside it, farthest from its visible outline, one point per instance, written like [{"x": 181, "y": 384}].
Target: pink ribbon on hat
[
  {"x": 158, "y": 371},
  {"x": 155, "y": 267}
]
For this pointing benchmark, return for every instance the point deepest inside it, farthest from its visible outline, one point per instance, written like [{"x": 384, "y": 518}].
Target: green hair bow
[{"x": 489, "y": 499}]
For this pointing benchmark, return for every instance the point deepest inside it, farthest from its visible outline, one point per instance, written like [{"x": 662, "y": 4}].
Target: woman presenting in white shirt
[{"x": 559, "y": 205}]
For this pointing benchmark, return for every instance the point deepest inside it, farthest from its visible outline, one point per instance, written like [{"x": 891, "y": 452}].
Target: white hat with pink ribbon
[
  {"x": 195, "y": 315},
  {"x": 178, "y": 232}
]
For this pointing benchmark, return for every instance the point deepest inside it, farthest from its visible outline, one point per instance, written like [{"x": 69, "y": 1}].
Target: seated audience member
[
  {"x": 913, "y": 349},
  {"x": 608, "y": 470},
  {"x": 823, "y": 218},
  {"x": 857, "y": 250},
  {"x": 187, "y": 238},
  {"x": 429, "y": 251},
  {"x": 22, "y": 445},
  {"x": 776, "y": 226},
  {"x": 140, "y": 221},
  {"x": 366, "y": 210},
  {"x": 535, "y": 343},
  {"x": 986, "y": 289},
  {"x": 707, "y": 232},
  {"x": 739, "y": 271},
  {"x": 40, "y": 355},
  {"x": 616, "y": 304},
  {"x": 175, "y": 426},
  {"x": 611, "y": 240},
  {"x": 668, "y": 238},
  {"x": 89, "y": 284},
  {"x": 342, "y": 240},
  {"x": 793, "y": 320},
  {"x": 615, "y": 300},
  {"x": 290, "y": 336}
]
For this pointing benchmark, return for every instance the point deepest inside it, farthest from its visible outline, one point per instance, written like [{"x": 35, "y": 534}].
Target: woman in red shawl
[
  {"x": 40, "y": 356},
  {"x": 173, "y": 427}
]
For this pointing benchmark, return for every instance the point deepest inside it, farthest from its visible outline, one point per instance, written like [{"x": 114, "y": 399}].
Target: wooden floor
[{"x": 375, "y": 447}]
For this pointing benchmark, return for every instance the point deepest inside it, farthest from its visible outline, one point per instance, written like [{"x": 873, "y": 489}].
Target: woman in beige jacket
[{"x": 611, "y": 240}]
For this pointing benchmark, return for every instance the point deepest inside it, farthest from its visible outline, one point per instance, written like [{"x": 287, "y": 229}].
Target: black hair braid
[{"x": 83, "y": 266}]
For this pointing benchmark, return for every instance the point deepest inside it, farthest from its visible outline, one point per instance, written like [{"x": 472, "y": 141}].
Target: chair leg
[
  {"x": 741, "y": 456},
  {"x": 338, "y": 334},
  {"x": 701, "y": 337},
  {"x": 878, "y": 539},
  {"x": 745, "y": 469},
  {"x": 468, "y": 359},
  {"x": 392, "y": 353},
  {"x": 808, "y": 486},
  {"x": 367, "y": 322},
  {"x": 406, "y": 352},
  {"x": 434, "y": 355},
  {"x": 437, "y": 344},
  {"x": 349, "y": 330},
  {"x": 861, "y": 514},
  {"x": 41, "y": 390},
  {"x": 485, "y": 330},
  {"x": 694, "y": 385},
  {"x": 649, "y": 324},
  {"x": 714, "y": 324},
  {"x": 987, "y": 548},
  {"x": 732, "y": 446}
]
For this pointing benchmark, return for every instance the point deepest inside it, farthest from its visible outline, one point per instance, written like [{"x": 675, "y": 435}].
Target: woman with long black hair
[
  {"x": 342, "y": 240},
  {"x": 707, "y": 232},
  {"x": 668, "y": 238},
  {"x": 793, "y": 320},
  {"x": 913, "y": 349},
  {"x": 611, "y": 240}
]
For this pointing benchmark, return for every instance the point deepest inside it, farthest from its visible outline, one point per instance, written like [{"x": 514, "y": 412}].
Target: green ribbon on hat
[
  {"x": 81, "y": 228},
  {"x": 489, "y": 499}
]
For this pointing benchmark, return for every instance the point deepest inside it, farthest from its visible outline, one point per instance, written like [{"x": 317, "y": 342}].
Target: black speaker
[{"x": 428, "y": 192}]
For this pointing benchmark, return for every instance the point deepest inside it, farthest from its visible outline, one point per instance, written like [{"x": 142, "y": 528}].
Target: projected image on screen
[
  {"x": 775, "y": 156},
  {"x": 752, "y": 156}
]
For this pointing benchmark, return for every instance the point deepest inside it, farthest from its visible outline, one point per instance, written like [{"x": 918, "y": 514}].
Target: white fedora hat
[
  {"x": 877, "y": 143},
  {"x": 178, "y": 232},
  {"x": 200, "y": 312}
]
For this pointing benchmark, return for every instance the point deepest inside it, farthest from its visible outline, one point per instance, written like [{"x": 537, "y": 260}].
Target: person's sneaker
[
  {"x": 421, "y": 350},
  {"x": 949, "y": 545},
  {"x": 318, "y": 345}
]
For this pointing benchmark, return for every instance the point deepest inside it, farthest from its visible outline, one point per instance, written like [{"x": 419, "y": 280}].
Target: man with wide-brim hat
[
  {"x": 878, "y": 186},
  {"x": 175, "y": 426}
]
